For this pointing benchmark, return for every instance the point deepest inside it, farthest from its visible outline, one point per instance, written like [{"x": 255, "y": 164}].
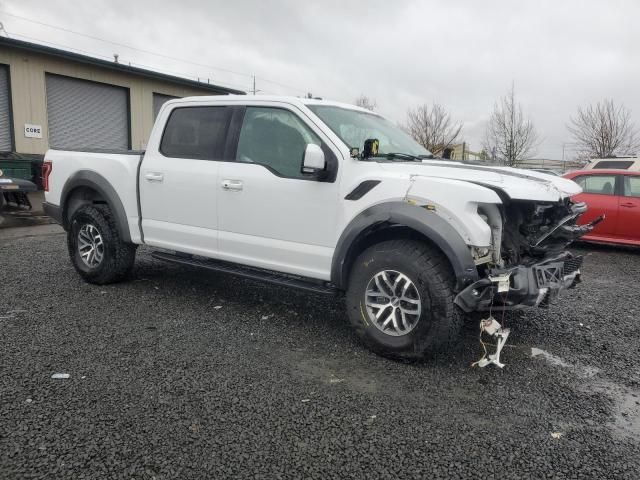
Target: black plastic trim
[
  {"x": 17, "y": 185},
  {"x": 53, "y": 211},
  {"x": 619, "y": 186},
  {"x": 555, "y": 273},
  {"x": 423, "y": 221},
  {"x": 331, "y": 173},
  {"x": 95, "y": 181},
  {"x": 252, "y": 273},
  {"x": 138, "y": 202},
  {"x": 362, "y": 189},
  {"x": 233, "y": 132}
]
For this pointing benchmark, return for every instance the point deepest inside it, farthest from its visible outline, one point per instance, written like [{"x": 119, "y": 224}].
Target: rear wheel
[
  {"x": 400, "y": 300},
  {"x": 95, "y": 247}
]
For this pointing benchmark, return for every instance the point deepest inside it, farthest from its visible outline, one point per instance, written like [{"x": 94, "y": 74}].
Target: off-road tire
[
  {"x": 439, "y": 325},
  {"x": 118, "y": 258}
]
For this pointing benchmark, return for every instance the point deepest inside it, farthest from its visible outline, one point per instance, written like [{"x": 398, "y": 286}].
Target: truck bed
[{"x": 118, "y": 169}]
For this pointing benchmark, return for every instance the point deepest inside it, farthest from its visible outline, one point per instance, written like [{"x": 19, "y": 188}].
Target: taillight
[{"x": 46, "y": 171}]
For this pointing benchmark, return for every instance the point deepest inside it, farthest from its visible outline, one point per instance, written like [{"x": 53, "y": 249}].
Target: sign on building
[{"x": 32, "y": 131}]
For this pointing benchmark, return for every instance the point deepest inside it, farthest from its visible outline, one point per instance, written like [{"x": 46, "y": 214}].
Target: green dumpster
[{"x": 22, "y": 166}]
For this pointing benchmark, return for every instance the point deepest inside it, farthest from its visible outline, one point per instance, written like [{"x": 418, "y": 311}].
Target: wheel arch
[
  {"x": 394, "y": 220},
  {"x": 87, "y": 187}
]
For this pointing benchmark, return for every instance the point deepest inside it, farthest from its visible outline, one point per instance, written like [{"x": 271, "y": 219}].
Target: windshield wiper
[{"x": 397, "y": 155}]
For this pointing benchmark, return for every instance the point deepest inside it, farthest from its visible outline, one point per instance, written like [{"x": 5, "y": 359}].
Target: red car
[{"x": 616, "y": 194}]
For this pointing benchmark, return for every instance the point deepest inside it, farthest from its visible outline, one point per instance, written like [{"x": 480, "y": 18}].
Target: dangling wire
[
  {"x": 484, "y": 345},
  {"x": 504, "y": 309}
]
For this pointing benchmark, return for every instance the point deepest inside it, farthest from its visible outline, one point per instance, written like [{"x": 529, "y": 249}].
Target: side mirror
[{"x": 313, "y": 160}]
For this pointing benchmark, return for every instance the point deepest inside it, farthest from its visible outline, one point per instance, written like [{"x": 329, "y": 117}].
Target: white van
[{"x": 619, "y": 163}]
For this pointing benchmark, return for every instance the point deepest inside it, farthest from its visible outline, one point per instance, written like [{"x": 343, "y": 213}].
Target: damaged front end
[{"x": 528, "y": 265}]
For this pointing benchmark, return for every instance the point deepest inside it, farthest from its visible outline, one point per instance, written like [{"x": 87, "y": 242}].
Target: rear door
[
  {"x": 629, "y": 208},
  {"x": 599, "y": 193},
  {"x": 178, "y": 181}
]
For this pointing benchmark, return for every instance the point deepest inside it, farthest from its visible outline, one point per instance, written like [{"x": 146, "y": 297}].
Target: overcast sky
[{"x": 462, "y": 54}]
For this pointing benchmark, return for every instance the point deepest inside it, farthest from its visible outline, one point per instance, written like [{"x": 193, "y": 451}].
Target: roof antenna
[
  {"x": 2, "y": 29},
  {"x": 115, "y": 57}
]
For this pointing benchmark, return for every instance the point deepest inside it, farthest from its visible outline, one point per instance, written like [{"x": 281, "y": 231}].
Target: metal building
[{"x": 51, "y": 98}]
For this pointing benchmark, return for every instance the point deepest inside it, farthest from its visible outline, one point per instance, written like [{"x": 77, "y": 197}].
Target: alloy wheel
[
  {"x": 393, "y": 303},
  {"x": 90, "y": 245}
]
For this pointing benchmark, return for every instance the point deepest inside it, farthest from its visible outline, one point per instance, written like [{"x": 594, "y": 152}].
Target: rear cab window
[{"x": 196, "y": 133}]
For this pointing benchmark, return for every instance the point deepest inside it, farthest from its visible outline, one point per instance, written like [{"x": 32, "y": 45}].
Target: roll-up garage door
[
  {"x": 85, "y": 114},
  {"x": 159, "y": 99},
  {"x": 5, "y": 111}
]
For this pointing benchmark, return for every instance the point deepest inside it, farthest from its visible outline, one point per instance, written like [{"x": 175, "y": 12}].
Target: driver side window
[{"x": 275, "y": 138}]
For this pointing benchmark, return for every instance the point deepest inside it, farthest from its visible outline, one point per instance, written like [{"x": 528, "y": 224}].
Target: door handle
[
  {"x": 154, "y": 176},
  {"x": 628, "y": 205},
  {"x": 232, "y": 185}
]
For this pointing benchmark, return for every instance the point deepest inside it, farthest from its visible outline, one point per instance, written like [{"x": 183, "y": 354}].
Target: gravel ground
[{"x": 181, "y": 373}]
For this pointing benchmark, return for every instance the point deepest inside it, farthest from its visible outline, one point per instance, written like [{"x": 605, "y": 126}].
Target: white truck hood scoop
[{"x": 516, "y": 183}]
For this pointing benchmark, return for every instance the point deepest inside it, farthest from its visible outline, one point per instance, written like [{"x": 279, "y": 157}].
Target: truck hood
[{"x": 517, "y": 184}]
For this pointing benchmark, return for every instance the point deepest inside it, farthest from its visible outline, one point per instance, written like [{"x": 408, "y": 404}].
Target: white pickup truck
[{"x": 325, "y": 197}]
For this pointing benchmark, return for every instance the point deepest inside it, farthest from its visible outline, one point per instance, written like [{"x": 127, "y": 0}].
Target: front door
[
  {"x": 599, "y": 193},
  {"x": 270, "y": 214},
  {"x": 178, "y": 183},
  {"x": 629, "y": 212}
]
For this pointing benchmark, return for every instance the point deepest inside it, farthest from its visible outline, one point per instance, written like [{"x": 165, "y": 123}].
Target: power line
[
  {"x": 122, "y": 44},
  {"x": 149, "y": 52},
  {"x": 283, "y": 85},
  {"x": 133, "y": 64}
]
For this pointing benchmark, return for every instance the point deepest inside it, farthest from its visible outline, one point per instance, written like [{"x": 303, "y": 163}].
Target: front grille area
[
  {"x": 573, "y": 264},
  {"x": 552, "y": 274},
  {"x": 548, "y": 275}
]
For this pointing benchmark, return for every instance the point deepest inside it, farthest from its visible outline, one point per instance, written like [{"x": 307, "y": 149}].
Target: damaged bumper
[{"x": 522, "y": 286}]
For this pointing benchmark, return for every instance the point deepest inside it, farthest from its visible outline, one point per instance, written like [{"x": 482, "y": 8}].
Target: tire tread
[
  {"x": 444, "y": 334},
  {"x": 118, "y": 265}
]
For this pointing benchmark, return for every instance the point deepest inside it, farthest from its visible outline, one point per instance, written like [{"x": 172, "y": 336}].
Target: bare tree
[
  {"x": 366, "y": 102},
  {"x": 604, "y": 130},
  {"x": 510, "y": 137},
  {"x": 432, "y": 127}
]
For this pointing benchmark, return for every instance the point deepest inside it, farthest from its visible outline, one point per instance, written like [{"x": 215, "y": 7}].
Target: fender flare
[
  {"x": 95, "y": 181},
  {"x": 423, "y": 221}
]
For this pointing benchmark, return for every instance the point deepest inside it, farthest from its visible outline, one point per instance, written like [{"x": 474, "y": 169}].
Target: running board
[{"x": 248, "y": 272}]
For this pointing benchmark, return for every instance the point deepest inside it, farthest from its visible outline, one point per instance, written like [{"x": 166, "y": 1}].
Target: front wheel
[
  {"x": 95, "y": 247},
  {"x": 400, "y": 300}
]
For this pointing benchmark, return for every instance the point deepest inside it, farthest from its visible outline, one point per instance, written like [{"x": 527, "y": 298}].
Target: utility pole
[
  {"x": 2, "y": 29},
  {"x": 254, "y": 84}
]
